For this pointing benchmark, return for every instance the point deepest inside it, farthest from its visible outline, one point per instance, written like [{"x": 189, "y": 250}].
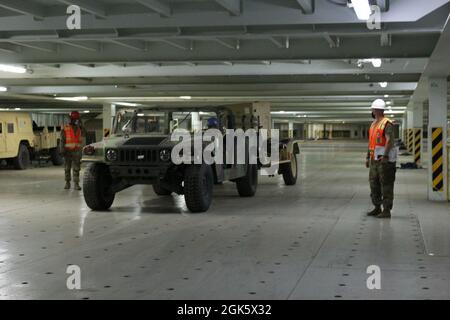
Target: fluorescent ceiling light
[
  {"x": 376, "y": 62},
  {"x": 3, "y": 89},
  {"x": 362, "y": 9},
  {"x": 140, "y": 114},
  {"x": 83, "y": 98},
  {"x": 186, "y": 97},
  {"x": 284, "y": 112},
  {"x": 126, "y": 104},
  {"x": 386, "y": 96},
  {"x": 13, "y": 69},
  {"x": 17, "y": 109},
  {"x": 389, "y": 103},
  {"x": 383, "y": 84},
  {"x": 86, "y": 111}
]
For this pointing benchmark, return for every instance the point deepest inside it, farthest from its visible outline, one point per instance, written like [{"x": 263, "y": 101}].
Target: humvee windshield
[
  {"x": 140, "y": 122},
  {"x": 154, "y": 122}
]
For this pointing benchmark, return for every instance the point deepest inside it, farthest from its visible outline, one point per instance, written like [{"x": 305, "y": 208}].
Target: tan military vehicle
[{"x": 21, "y": 141}]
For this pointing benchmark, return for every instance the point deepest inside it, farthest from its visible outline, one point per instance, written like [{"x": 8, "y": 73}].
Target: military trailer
[
  {"x": 139, "y": 152},
  {"x": 21, "y": 141}
]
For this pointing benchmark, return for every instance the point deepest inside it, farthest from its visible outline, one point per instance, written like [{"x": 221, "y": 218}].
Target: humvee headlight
[
  {"x": 111, "y": 155},
  {"x": 89, "y": 150},
  {"x": 164, "y": 155}
]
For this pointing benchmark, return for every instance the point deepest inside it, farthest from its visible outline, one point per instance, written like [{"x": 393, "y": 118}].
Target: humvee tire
[
  {"x": 160, "y": 191},
  {"x": 56, "y": 158},
  {"x": 290, "y": 171},
  {"x": 22, "y": 161},
  {"x": 96, "y": 183},
  {"x": 247, "y": 185},
  {"x": 198, "y": 187}
]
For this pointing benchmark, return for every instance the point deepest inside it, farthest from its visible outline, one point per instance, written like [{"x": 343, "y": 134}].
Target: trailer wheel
[
  {"x": 97, "y": 187},
  {"x": 22, "y": 161},
  {"x": 161, "y": 191},
  {"x": 56, "y": 158},
  {"x": 247, "y": 185},
  {"x": 290, "y": 171},
  {"x": 198, "y": 187}
]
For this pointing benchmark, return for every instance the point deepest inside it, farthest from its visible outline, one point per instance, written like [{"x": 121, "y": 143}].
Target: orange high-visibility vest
[
  {"x": 376, "y": 135},
  {"x": 73, "y": 140}
]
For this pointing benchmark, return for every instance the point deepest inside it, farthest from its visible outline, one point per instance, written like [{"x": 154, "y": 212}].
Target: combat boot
[
  {"x": 386, "y": 214},
  {"x": 67, "y": 186},
  {"x": 77, "y": 186},
  {"x": 374, "y": 212}
]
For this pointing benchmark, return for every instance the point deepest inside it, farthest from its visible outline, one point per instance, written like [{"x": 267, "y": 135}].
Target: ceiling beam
[
  {"x": 307, "y": 6},
  {"x": 385, "y": 39},
  {"x": 235, "y": 45},
  {"x": 334, "y": 42},
  {"x": 276, "y": 42},
  {"x": 9, "y": 48},
  {"x": 24, "y": 7},
  {"x": 176, "y": 44},
  {"x": 90, "y": 6},
  {"x": 130, "y": 44},
  {"x": 41, "y": 47},
  {"x": 80, "y": 45},
  {"x": 300, "y": 49},
  {"x": 158, "y": 6},
  {"x": 232, "y": 6},
  {"x": 280, "y": 13}
]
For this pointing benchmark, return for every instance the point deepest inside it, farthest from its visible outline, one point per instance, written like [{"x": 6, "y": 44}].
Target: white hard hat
[{"x": 379, "y": 104}]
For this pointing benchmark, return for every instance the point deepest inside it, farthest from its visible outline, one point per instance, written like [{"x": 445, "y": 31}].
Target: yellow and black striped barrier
[
  {"x": 448, "y": 172},
  {"x": 410, "y": 140},
  {"x": 106, "y": 132},
  {"x": 417, "y": 146},
  {"x": 437, "y": 160}
]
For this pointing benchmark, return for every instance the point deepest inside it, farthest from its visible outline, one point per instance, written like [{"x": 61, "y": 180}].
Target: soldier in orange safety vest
[
  {"x": 72, "y": 144},
  {"x": 381, "y": 160}
]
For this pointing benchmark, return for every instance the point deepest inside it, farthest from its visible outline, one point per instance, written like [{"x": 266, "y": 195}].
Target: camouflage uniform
[
  {"x": 72, "y": 159},
  {"x": 382, "y": 178}
]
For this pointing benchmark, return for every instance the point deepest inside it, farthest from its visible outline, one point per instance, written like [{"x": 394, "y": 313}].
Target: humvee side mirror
[{"x": 173, "y": 125}]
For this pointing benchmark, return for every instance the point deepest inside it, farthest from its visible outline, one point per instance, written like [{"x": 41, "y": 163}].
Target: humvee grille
[{"x": 139, "y": 156}]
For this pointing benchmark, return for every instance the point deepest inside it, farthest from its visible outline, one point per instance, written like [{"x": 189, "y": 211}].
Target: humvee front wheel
[
  {"x": 55, "y": 157},
  {"x": 22, "y": 161},
  {"x": 290, "y": 171},
  {"x": 198, "y": 187},
  {"x": 246, "y": 185},
  {"x": 160, "y": 190},
  {"x": 97, "y": 187}
]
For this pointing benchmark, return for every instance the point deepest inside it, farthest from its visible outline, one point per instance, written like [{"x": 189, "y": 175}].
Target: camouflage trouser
[
  {"x": 72, "y": 161},
  {"x": 382, "y": 178}
]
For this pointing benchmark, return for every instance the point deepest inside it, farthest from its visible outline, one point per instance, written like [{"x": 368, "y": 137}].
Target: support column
[
  {"x": 405, "y": 128},
  {"x": 291, "y": 129},
  {"x": 410, "y": 131},
  {"x": 437, "y": 139},
  {"x": 330, "y": 133},
  {"x": 109, "y": 111},
  {"x": 196, "y": 123},
  {"x": 418, "y": 126}
]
